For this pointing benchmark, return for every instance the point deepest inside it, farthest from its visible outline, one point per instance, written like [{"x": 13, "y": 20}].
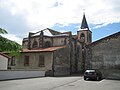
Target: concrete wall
[
  {"x": 5, "y": 75},
  {"x": 105, "y": 55},
  {"x": 3, "y": 62}
]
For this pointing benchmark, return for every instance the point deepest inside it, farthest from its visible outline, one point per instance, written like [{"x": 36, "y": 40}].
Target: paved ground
[{"x": 59, "y": 83}]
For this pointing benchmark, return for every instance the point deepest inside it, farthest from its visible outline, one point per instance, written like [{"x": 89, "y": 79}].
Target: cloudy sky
[{"x": 19, "y": 17}]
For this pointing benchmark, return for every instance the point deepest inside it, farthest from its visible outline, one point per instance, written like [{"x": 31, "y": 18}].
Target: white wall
[
  {"x": 3, "y": 62},
  {"x": 14, "y": 74}
]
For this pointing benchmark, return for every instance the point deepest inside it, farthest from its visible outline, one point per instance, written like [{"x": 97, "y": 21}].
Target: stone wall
[
  {"x": 76, "y": 57},
  {"x": 105, "y": 55},
  {"x": 79, "y": 57},
  {"x": 54, "y": 41},
  {"x": 59, "y": 41},
  {"x": 62, "y": 62}
]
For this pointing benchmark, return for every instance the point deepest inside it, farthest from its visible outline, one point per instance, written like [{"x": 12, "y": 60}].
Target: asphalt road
[{"x": 59, "y": 83}]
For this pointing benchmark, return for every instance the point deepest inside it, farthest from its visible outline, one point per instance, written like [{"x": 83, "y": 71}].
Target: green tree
[
  {"x": 3, "y": 31},
  {"x": 8, "y": 45}
]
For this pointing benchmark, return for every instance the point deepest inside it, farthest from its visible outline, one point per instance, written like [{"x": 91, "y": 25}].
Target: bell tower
[{"x": 84, "y": 34}]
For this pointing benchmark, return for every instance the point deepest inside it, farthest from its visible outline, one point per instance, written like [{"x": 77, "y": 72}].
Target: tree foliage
[
  {"x": 8, "y": 45},
  {"x": 3, "y": 31}
]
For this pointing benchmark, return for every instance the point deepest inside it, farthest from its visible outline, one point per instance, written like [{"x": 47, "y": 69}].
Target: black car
[{"x": 92, "y": 74}]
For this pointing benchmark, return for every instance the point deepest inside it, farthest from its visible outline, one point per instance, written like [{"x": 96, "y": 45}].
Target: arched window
[
  {"x": 35, "y": 44},
  {"x": 82, "y": 36},
  {"x": 47, "y": 44}
]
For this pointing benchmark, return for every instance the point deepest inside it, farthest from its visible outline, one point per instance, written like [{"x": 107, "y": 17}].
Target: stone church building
[{"x": 63, "y": 53}]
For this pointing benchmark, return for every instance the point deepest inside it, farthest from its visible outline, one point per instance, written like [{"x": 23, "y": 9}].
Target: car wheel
[
  {"x": 84, "y": 78},
  {"x": 97, "y": 78},
  {"x": 100, "y": 78}
]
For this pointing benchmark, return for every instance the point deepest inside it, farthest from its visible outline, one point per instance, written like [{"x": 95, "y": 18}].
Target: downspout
[
  {"x": 70, "y": 47},
  {"x": 53, "y": 64},
  {"x": 76, "y": 62}
]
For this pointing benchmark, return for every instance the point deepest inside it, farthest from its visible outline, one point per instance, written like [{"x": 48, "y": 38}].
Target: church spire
[
  {"x": 84, "y": 22},
  {"x": 84, "y": 34}
]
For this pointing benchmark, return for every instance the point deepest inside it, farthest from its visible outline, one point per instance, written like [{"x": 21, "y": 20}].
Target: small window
[
  {"x": 13, "y": 61},
  {"x": 26, "y": 61},
  {"x": 41, "y": 61}
]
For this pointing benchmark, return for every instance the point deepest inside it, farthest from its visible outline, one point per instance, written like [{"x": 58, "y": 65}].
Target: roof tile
[{"x": 49, "y": 49}]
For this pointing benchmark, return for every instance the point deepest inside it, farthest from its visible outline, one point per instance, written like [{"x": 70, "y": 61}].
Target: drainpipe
[
  {"x": 70, "y": 47},
  {"x": 53, "y": 64}
]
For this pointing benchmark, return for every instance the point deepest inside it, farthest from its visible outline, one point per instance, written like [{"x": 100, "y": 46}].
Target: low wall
[
  {"x": 111, "y": 74},
  {"x": 15, "y": 74}
]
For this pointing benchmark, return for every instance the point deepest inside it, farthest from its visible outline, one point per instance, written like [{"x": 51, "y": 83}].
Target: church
[{"x": 61, "y": 53}]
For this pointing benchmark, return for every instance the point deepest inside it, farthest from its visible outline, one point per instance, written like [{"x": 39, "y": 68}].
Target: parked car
[{"x": 92, "y": 74}]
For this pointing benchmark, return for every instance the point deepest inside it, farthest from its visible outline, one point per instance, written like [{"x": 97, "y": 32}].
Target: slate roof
[{"x": 84, "y": 23}]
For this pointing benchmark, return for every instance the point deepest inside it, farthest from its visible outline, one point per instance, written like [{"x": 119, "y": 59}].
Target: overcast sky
[{"x": 19, "y": 17}]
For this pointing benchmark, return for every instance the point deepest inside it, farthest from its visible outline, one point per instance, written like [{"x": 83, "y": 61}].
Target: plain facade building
[{"x": 3, "y": 61}]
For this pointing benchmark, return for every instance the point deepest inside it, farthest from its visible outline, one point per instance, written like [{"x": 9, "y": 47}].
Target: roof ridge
[{"x": 4, "y": 55}]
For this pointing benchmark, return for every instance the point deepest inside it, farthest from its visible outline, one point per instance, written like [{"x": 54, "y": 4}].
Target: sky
[{"x": 19, "y": 17}]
